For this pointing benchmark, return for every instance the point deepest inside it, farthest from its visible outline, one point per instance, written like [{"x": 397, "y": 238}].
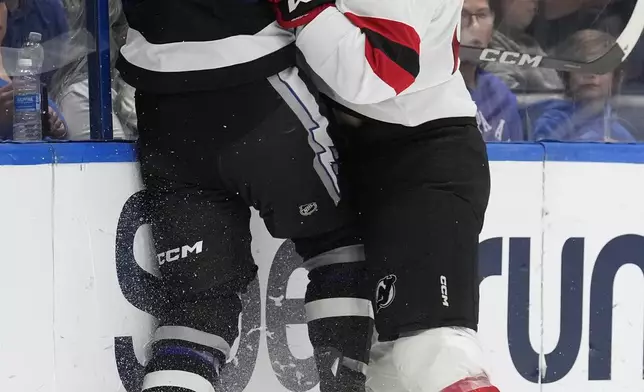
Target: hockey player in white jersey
[{"x": 416, "y": 167}]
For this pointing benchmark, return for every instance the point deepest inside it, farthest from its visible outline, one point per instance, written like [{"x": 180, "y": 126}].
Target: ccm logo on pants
[
  {"x": 179, "y": 253},
  {"x": 444, "y": 291}
]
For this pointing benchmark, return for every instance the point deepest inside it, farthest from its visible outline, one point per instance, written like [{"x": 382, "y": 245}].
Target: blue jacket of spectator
[
  {"x": 6, "y": 130},
  {"x": 498, "y": 112},
  {"x": 558, "y": 123},
  {"x": 46, "y": 17}
]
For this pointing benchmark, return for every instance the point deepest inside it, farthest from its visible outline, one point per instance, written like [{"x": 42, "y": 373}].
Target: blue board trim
[
  {"x": 594, "y": 152},
  {"x": 523, "y": 152},
  {"x": 69, "y": 152},
  {"x": 85, "y": 152}
]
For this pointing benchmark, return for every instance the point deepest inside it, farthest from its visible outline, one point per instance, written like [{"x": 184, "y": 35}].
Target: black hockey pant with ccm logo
[{"x": 422, "y": 193}]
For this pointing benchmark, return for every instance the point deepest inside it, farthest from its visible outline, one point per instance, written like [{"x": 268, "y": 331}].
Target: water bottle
[
  {"x": 27, "y": 118},
  {"x": 33, "y": 49}
]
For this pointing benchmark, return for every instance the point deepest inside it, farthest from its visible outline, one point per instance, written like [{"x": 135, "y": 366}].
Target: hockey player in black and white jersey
[
  {"x": 226, "y": 122},
  {"x": 417, "y": 172}
]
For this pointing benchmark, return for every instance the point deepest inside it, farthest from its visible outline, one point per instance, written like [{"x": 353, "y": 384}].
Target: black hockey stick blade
[{"x": 602, "y": 64}]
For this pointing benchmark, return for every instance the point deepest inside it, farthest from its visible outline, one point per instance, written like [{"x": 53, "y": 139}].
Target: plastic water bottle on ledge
[
  {"x": 33, "y": 49},
  {"x": 27, "y": 117}
]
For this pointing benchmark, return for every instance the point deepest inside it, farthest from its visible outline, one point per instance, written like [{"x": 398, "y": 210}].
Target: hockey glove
[{"x": 294, "y": 13}]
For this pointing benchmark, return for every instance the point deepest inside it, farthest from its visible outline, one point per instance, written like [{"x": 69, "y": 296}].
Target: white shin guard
[{"x": 430, "y": 361}]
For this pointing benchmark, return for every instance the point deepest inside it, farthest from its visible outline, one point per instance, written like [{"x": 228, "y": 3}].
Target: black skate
[{"x": 337, "y": 374}]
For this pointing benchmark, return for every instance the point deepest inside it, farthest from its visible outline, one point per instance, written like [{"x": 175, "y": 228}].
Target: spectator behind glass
[
  {"x": 498, "y": 114},
  {"x": 3, "y": 32},
  {"x": 586, "y": 114},
  {"x": 559, "y": 19},
  {"x": 70, "y": 85},
  {"x": 512, "y": 17},
  {"x": 57, "y": 126},
  {"x": 46, "y": 17}
]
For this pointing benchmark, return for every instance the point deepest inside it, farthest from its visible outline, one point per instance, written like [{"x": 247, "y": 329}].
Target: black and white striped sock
[{"x": 340, "y": 318}]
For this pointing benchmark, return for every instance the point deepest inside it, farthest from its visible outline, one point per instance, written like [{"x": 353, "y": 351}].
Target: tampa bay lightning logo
[{"x": 385, "y": 292}]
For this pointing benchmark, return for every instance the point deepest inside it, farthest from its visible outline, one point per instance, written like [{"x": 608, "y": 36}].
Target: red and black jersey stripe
[{"x": 392, "y": 50}]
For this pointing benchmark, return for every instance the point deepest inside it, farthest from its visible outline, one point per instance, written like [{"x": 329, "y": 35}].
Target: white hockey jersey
[{"x": 392, "y": 60}]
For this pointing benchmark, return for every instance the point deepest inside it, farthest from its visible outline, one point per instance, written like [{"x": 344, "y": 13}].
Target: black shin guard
[
  {"x": 203, "y": 250},
  {"x": 340, "y": 322}
]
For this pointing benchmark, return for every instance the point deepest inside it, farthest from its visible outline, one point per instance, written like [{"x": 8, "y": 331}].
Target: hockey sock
[
  {"x": 178, "y": 366},
  {"x": 340, "y": 322},
  {"x": 192, "y": 343}
]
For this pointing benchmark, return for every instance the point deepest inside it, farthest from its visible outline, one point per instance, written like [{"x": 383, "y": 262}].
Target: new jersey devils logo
[{"x": 385, "y": 292}]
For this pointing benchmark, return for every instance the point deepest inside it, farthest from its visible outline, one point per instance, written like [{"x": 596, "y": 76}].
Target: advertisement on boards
[{"x": 561, "y": 267}]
